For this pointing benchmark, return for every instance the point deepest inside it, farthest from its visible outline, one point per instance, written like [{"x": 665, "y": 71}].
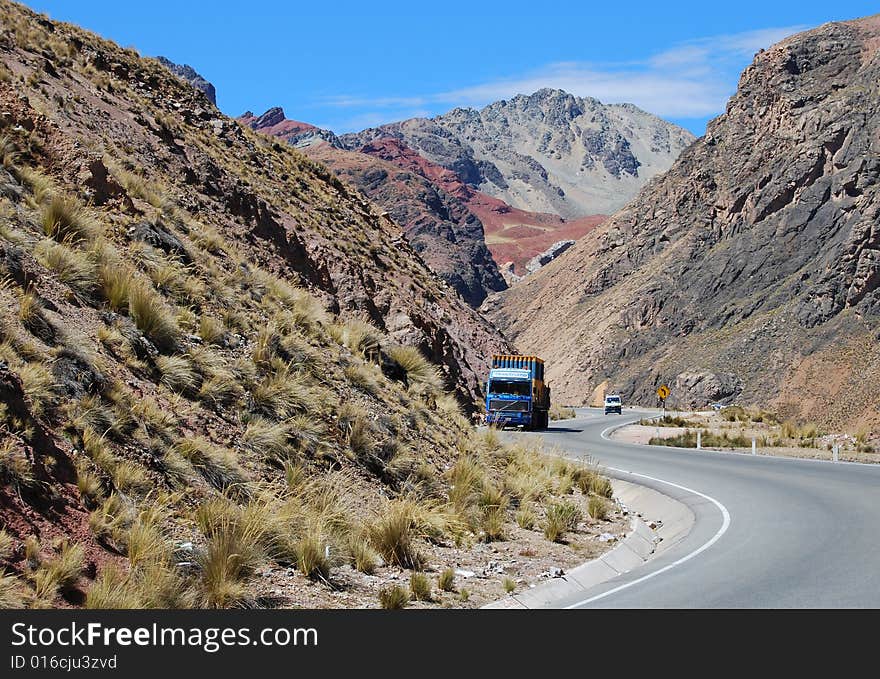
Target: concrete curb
[{"x": 673, "y": 519}]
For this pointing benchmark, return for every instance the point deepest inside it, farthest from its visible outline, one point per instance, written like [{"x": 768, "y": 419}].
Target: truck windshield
[{"x": 510, "y": 387}]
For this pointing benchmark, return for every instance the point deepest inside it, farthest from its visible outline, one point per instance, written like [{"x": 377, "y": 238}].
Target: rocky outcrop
[
  {"x": 548, "y": 152},
  {"x": 701, "y": 389},
  {"x": 189, "y": 74},
  {"x": 754, "y": 256},
  {"x": 548, "y": 255}
]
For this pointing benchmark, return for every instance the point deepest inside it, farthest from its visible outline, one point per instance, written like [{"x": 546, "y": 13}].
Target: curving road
[{"x": 769, "y": 533}]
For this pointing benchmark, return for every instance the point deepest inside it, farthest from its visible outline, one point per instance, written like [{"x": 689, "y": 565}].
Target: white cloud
[{"x": 690, "y": 80}]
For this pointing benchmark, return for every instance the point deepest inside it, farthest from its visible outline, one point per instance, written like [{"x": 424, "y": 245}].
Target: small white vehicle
[{"x": 613, "y": 404}]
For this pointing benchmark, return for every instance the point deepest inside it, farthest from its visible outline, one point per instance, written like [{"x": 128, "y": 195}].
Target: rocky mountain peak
[
  {"x": 548, "y": 151},
  {"x": 273, "y": 116},
  {"x": 189, "y": 74},
  {"x": 294, "y": 132}
]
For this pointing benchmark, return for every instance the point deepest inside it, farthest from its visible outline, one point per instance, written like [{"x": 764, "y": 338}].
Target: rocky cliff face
[
  {"x": 548, "y": 152},
  {"x": 189, "y": 74},
  {"x": 753, "y": 261},
  {"x": 437, "y": 223}
]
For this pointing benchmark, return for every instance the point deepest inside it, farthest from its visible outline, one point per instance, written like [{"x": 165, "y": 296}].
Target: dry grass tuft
[
  {"x": 153, "y": 317},
  {"x": 218, "y": 465},
  {"x": 394, "y": 597},
  {"x": 418, "y": 369},
  {"x": 60, "y": 573},
  {"x": 65, "y": 220}
]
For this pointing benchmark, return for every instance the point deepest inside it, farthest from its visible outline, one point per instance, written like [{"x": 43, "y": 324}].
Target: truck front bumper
[{"x": 509, "y": 419}]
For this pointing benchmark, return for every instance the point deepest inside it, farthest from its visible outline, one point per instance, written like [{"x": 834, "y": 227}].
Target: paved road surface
[{"x": 798, "y": 533}]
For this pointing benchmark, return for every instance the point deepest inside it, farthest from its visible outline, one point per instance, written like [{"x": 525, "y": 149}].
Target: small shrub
[
  {"x": 222, "y": 388},
  {"x": 39, "y": 385},
  {"x": 235, "y": 546},
  {"x": 312, "y": 557},
  {"x": 392, "y": 534},
  {"x": 153, "y": 317},
  {"x": 446, "y": 580},
  {"x": 362, "y": 439},
  {"x": 393, "y": 598},
  {"x": 493, "y": 505},
  {"x": 114, "y": 281},
  {"x": 525, "y": 517},
  {"x": 7, "y": 545},
  {"x": 597, "y": 507},
  {"x": 112, "y": 589},
  {"x": 601, "y": 486},
  {"x": 145, "y": 543},
  {"x": 218, "y": 465},
  {"x": 420, "y": 587},
  {"x": 283, "y": 394},
  {"x": 30, "y": 313},
  {"x": 562, "y": 516},
  {"x": 363, "y": 377},
  {"x": 73, "y": 267},
  {"x": 418, "y": 368},
  {"x": 359, "y": 336},
  {"x": 210, "y": 330},
  {"x": 130, "y": 477},
  {"x": 179, "y": 374},
  {"x": 89, "y": 486},
  {"x": 13, "y": 592},
  {"x": 509, "y": 585},
  {"x": 15, "y": 469},
  {"x": 271, "y": 439},
  {"x": 558, "y": 412},
  {"x": 668, "y": 421},
  {"x": 59, "y": 573},
  {"x": 65, "y": 220},
  {"x": 363, "y": 558}
]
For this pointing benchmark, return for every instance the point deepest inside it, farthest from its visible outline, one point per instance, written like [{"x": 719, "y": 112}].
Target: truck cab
[
  {"x": 516, "y": 394},
  {"x": 613, "y": 404}
]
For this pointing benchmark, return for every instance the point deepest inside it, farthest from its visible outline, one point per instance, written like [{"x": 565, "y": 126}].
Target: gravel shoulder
[{"x": 712, "y": 422}]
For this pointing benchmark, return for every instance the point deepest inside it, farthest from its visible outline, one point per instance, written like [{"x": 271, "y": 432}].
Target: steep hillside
[
  {"x": 747, "y": 272},
  {"x": 437, "y": 223},
  {"x": 194, "y": 408},
  {"x": 548, "y": 152}
]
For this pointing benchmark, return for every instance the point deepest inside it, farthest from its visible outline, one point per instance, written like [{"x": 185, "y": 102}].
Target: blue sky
[{"x": 349, "y": 65}]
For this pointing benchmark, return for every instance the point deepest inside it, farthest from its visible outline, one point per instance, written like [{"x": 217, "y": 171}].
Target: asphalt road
[{"x": 769, "y": 533}]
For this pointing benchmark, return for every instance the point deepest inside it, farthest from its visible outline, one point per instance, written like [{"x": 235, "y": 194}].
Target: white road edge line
[{"x": 725, "y": 524}]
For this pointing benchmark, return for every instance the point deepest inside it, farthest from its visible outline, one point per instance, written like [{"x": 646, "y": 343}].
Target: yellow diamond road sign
[{"x": 663, "y": 391}]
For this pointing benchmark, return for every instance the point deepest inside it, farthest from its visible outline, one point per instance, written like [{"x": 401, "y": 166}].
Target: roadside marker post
[
  {"x": 835, "y": 453},
  {"x": 699, "y": 440},
  {"x": 754, "y": 447}
]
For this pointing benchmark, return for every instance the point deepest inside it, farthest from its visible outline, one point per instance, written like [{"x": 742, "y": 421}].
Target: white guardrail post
[
  {"x": 699, "y": 439},
  {"x": 754, "y": 447}
]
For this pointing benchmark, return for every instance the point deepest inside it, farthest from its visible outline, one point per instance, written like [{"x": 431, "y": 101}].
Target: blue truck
[{"x": 516, "y": 394}]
